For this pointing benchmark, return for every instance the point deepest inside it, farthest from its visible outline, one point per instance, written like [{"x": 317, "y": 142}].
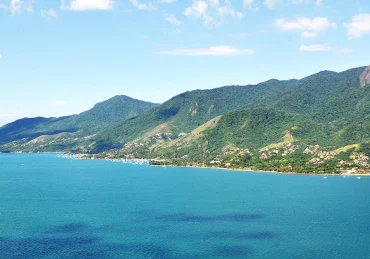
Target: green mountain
[
  {"x": 332, "y": 100},
  {"x": 102, "y": 116},
  {"x": 320, "y": 123},
  {"x": 187, "y": 111},
  {"x": 310, "y": 125}
]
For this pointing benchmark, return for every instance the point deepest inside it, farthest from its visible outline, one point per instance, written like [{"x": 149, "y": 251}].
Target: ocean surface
[{"x": 53, "y": 207}]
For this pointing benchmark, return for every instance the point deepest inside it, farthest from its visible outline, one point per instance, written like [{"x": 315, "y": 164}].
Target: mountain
[
  {"x": 320, "y": 123},
  {"x": 323, "y": 97},
  {"x": 307, "y": 125},
  {"x": 187, "y": 111},
  {"x": 102, "y": 116},
  {"x": 106, "y": 114}
]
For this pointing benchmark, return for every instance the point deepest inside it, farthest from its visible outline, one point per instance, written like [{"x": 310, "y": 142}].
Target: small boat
[
  {"x": 325, "y": 177},
  {"x": 358, "y": 177}
]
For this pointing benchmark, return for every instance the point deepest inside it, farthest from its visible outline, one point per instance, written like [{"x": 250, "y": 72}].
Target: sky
[{"x": 60, "y": 57}]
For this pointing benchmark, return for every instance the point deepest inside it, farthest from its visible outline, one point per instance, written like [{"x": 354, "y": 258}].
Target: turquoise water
[{"x": 62, "y": 208}]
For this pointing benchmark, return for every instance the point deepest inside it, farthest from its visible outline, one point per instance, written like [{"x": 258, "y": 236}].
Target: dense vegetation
[
  {"x": 320, "y": 123},
  {"x": 102, "y": 116},
  {"x": 189, "y": 110}
]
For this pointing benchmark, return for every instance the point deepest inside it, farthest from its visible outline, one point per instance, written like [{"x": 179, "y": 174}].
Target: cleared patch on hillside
[
  {"x": 195, "y": 134},
  {"x": 365, "y": 77},
  {"x": 346, "y": 148},
  {"x": 162, "y": 128},
  {"x": 46, "y": 138},
  {"x": 229, "y": 149},
  {"x": 287, "y": 138}
]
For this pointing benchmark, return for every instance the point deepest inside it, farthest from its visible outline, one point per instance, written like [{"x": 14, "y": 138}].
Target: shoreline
[
  {"x": 76, "y": 156},
  {"x": 259, "y": 171}
]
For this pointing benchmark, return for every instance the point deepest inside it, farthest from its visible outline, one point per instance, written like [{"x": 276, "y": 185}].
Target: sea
[{"x": 55, "y": 207}]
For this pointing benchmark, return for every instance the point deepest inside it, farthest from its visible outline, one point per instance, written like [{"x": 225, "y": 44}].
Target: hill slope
[
  {"x": 324, "y": 97},
  {"x": 102, "y": 116},
  {"x": 318, "y": 124},
  {"x": 189, "y": 110}
]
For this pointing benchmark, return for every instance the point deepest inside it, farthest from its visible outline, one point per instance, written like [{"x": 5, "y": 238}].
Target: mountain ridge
[
  {"x": 102, "y": 115},
  {"x": 320, "y": 123}
]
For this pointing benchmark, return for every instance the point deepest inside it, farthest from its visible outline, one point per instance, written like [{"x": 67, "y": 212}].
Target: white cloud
[
  {"x": 212, "y": 51},
  {"x": 15, "y": 6},
  {"x": 212, "y": 11},
  {"x": 18, "y": 6},
  {"x": 59, "y": 103},
  {"x": 249, "y": 5},
  {"x": 228, "y": 9},
  {"x": 319, "y": 2},
  {"x": 316, "y": 47},
  {"x": 1, "y": 56},
  {"x": 298, "y": 1},
  {"x": 310, "y": 28},
  {"x": 359, "y": 26},
  {"x": 85, "y": 5},
  {"x": 166, "y": 1},
  {"x": 271, "y": 3},
  {"x": 49, "y": 14},
  {"x": 309, "y": 34},
  {"x": 305, "y": 24},
  {"x": 173, "y": 20},
  {"x": 141, "y": 6},
  {"x": 199, "y": 10}
]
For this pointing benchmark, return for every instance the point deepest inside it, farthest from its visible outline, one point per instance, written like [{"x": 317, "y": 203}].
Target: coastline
[
  {"x": 147, "y": 161},
  {"x": 260, "y": 171}
]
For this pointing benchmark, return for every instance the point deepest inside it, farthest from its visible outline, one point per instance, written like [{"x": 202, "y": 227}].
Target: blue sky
[{"x": 61, "y": 57}]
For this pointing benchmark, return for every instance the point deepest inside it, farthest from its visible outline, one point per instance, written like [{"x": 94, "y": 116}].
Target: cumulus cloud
[
  {"x": 173, "y": 20},
  {"x": 212, "y": 11},
  {"x": 359, "y": 26},
  {"x": 316, "y": 47},
  {"x": 319, "y": 2},
  {"x": 309, "y": 34},
  {"x": 310, "y": 28},
  {"x": 18, "y": 6},
  {"x": 60, "y": 103},
  {"x": 49, "y": 14},
  {"x": 86, "y": 5},
  {"x": 1, "y": 56},
  {"x": 271, "y": 3},
  {"x": 166, "y": 1},
  {"x": 199, "y": 10},
  {"x": 212, "y": 51},
  {"x": 228, "y": 9},
  {"x": 248, "y": 4},
  {"x": 141, "y": 6}
]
